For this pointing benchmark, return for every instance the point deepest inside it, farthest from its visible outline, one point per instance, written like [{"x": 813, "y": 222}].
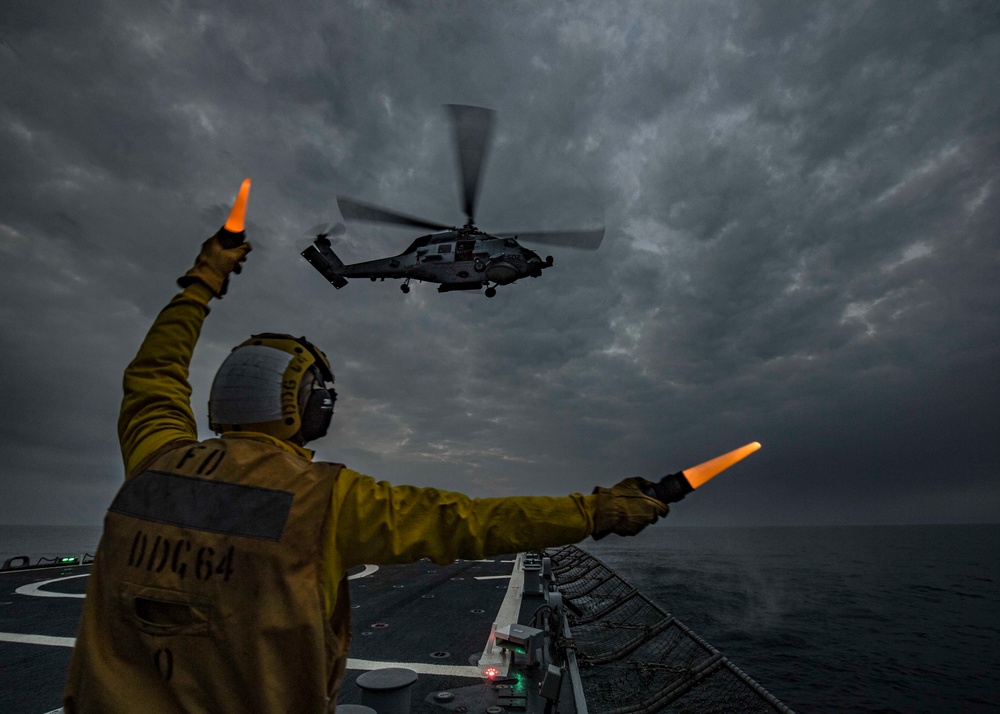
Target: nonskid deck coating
[{"x": 434, "y": 619}]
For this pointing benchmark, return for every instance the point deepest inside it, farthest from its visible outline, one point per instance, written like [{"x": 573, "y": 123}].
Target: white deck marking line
[
  {"x": 369, "y": 570},
  {"x": 493, "y": 577},
  {"x": 506, "y": 615},
  {"x": 33, "y": 588},
  {"x": 37, "y": 639},
  {"x": 445, "y": 670}
]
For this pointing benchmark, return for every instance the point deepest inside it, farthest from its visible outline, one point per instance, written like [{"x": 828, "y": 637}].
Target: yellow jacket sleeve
[
  {"x": 381, "y": 524},
  {"x": 156, "y": 406}
]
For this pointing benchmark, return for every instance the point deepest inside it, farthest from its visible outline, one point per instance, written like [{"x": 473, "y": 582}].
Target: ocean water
[
  {"x": 48, "y": 541},
  {"x": 845, "y": 619}
]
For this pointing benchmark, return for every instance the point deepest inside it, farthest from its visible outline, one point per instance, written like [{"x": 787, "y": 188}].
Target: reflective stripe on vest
[{"x": 204, "y": 505}]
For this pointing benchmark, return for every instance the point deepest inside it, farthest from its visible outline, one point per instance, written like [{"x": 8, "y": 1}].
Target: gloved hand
[
  {"x": 625, "y": 510},
  {"x": 220, "y": 255}
]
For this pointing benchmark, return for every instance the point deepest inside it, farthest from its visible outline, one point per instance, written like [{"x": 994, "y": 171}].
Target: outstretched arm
[{"x": 380, "y": 523}]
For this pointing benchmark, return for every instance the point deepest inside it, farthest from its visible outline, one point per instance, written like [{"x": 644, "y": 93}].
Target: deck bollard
[
  {"x": 387, "y": 691},
  {"x": 354, "y": 709}
]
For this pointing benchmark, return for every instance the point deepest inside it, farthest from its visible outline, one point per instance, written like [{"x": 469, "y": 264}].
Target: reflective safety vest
[{"x": 206, "y": 594}]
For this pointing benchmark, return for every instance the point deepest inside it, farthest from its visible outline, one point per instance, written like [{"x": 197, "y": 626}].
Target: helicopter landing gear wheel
[
  {"x": 405, "y": 287},
  {"x": 491, "y": 292}
]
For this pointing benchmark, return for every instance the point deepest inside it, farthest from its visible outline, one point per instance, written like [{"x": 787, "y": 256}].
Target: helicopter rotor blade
[
  {"x": 358, "y": 211},
  {"x": 327, "y": 229},
  {"x": 582, "y": 240},
  {"x": 473, "y": 128},
  {"x": 319, "y": 229}
]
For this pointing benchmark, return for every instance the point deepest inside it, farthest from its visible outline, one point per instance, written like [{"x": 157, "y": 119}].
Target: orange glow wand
[
  {"x": 674, "y": 487},
  {"x": 232, "y": 235}
]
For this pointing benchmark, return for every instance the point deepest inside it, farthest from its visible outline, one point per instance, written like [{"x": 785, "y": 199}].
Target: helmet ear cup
[{"x": 317, "y": 414}]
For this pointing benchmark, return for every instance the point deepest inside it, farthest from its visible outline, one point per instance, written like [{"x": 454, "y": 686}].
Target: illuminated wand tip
[
  {"x": 673, "y": 487},
  {"x": 234, "y": 224},
  {"x": 697, "y": 475}
]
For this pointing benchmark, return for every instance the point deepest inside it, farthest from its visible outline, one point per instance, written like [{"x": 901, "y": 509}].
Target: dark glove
[
  {"x": 625, "y": 510},
  {"x": 220, "y": 255}
]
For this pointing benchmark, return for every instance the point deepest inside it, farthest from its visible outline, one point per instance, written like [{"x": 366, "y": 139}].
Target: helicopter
[{"x": 456, "y": 257}]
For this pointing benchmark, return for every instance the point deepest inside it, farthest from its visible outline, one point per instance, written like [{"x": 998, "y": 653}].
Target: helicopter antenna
[{"x": 473, "y": 128}]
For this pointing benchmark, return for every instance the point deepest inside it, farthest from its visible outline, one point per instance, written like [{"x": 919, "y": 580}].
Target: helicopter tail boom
[{"x": 321, "y": 256}]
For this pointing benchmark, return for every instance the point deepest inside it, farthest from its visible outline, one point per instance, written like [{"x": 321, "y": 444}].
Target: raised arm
[{"x": 156, "y": 406}]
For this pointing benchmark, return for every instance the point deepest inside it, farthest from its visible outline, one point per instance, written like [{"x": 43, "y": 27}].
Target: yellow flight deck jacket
[{"x": 220, "y": 581}]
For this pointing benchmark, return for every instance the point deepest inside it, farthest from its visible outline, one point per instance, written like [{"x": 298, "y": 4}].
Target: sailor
[{"x": 220, "y": 581}]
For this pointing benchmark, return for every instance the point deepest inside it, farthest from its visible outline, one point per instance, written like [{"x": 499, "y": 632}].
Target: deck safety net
[{"x": 635, "y": 658}]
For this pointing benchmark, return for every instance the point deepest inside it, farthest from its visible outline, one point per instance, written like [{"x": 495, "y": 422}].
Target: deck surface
[{"x": 433, "y": 619}]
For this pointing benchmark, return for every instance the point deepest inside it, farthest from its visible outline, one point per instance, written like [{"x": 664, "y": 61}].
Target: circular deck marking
[
  {"x": 369, "y": 570},
  {"x": 34, "y": 588}
]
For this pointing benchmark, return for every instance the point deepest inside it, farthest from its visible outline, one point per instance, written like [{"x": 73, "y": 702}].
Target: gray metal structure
[{"x": 633, "y": 657}]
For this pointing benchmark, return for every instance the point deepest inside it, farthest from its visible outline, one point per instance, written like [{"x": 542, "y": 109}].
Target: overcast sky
[{"x": 801, "y": 202}]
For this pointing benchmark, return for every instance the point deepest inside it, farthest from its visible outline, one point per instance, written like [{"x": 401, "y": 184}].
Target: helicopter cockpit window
[
  {"x": 444, "y": 248},
  {"x": 509, "y": 243}
]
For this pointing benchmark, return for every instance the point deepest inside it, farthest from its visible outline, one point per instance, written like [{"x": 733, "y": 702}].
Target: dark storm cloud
[{"x": 801, "y": 208}]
